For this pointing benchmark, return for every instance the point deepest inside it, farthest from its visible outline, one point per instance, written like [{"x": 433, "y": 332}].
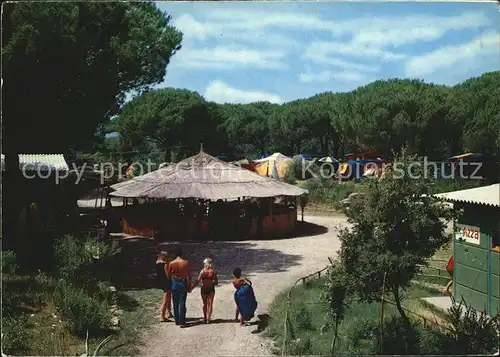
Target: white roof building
[{"x": 486, "y": 195}]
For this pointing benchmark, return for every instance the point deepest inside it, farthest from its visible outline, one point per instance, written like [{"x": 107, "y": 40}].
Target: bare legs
[
  {"x": 208, "y": 305},
  {"x": 240, "y": 317},
  {"x": 448, "y": 286},
  {"x": 166, "y": 305}
]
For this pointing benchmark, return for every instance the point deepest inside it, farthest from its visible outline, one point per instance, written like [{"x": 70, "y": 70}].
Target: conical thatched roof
[{"x": 206, "y": 177}]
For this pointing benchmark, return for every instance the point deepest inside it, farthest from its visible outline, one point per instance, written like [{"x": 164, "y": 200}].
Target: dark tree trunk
[{"x": 397, "y": 300}]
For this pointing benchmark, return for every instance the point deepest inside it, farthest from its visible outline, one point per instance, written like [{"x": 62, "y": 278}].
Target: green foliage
[
  {"x": 473, "y": 332},
  {"x": 337, "y": 291},
  {"x": 77, "y": 258},
  {"x": 396, "y": 228},
  {"x": 384, "y": 116},
  {"x": 9, "y": 265},
  {"x": 165, "y": 117},
  {"x": 15, "y": 337},
  {"x": 359, "y": 331},
  {"x": 324, "y": 190},
  {"x": 457, "y": 184},
  {"x": 82, "y": 311},
  {"x": 398, "y": 337},
  {"x": 108, "y": 50},
  {"x": 303, "y": 319}
]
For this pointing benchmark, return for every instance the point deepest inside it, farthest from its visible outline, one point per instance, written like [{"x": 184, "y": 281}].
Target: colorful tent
[
  {"x": 469, "y": 155},
  {"x": 329, "y": 159},
  {"x": 276, "y": 161},
  {"x": 303, "y": 157}
]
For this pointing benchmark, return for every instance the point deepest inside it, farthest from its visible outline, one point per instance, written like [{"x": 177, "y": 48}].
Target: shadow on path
[{"x": 134, "y": 267}]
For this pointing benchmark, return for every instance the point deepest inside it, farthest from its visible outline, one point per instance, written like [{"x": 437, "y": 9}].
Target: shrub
[
  {"x": 303, "y": 319},
  {"x": 78, "y": 259},
  {"x": 473, "y": 332},
  {"x": 431, "y": 341},
  {"x": 15, "y": 336},
  {"x": 81, "y": 310},
  {"x": 324, "y": 190},
  {"x": 399, "y": 337},
  {"x": 448, "y": 185},
  {"x": 9, "y": 265},
  {"x": 302, "y": 346}
]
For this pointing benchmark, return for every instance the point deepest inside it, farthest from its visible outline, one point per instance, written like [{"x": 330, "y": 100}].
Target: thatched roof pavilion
[{"x": 204, "y": 177}]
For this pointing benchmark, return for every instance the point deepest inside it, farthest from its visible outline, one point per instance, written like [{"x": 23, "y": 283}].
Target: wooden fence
[{"x": 316, "y": 275}]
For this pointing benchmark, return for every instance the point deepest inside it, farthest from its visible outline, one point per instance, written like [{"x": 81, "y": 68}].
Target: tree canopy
[
  {"x": 396, "y": 227},
  {"x": 67, "y": 68},
  {"x": 384, "y": 116}
]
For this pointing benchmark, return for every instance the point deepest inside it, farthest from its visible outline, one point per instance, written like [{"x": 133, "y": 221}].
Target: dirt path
[{"x": 272, "y": 265}]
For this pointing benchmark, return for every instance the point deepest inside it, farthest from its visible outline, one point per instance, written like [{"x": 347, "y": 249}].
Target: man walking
[{"x": 179, "y": 271}]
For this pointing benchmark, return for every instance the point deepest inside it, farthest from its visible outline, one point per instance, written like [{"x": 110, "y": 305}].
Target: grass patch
[
  {"x": 311, "y": 331},
  {"x": 140, "y": 310}
]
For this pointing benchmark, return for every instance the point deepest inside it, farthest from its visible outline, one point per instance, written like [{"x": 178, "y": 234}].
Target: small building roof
[
  {"x": 203, "y": 176},
  {"x": 42, "y": 162},
  {"x": 486, "y": 195}
]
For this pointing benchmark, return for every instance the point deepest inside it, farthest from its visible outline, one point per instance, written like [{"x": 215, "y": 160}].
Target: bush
[
  {"x": 472, "y": 332},
  {"x": 448, "y": 185},
  {"x": 78, "y": 259},
  {"x": 399, "y": 337},
  {"x": 303, "y": 319},
  {"x": 9, "y": 265},
  {"x": 15, "y": 336},
  {"x": 324, "y": 190},
  {"x": 81, "y": 310}
]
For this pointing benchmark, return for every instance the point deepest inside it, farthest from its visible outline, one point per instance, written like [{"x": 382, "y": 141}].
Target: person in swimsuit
[
  {"x": 179, "y": 272},
  {"x": 238, "y": 281},
  {"x": 164, "y": 284},
  {"x": 208, "y": 279}
]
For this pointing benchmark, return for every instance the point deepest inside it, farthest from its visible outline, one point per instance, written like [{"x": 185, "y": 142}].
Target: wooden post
[{"x": 382, "y": 315}]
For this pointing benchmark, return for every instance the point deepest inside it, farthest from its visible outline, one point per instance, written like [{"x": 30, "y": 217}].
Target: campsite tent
[
  {"x": 275, "y": 165},
  {"x": 205, "y": 177}
]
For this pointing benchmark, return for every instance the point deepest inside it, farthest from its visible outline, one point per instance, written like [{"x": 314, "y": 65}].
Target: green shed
[{"x": 476, "y": 247}]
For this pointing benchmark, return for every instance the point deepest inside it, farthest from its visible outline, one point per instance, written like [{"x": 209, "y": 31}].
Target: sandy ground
[{"x": 272, "y": 265}]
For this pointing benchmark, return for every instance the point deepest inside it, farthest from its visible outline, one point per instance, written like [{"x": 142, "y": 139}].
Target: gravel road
[{"x": 272, "y": 265}]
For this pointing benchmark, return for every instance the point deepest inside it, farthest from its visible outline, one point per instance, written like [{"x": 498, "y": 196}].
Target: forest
[{"x": 430, "y": 120}]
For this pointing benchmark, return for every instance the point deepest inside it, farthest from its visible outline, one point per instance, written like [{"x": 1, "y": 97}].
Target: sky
[{"x": 243, "y": 52}]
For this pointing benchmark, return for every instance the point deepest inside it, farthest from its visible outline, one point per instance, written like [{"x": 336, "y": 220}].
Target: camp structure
[
  {"x": 246, "y": 164},
  {"x": 471, "y": 165},
  {"x": 39, "y": 203},
  {"x": 274, "y": 165},
  {"x": 204, "y": 198},
  {"x": 476, "y": 247},
  {"x": 359, "y": 165}
]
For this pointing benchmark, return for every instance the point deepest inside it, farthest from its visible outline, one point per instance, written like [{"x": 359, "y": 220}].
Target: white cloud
[
  {"x": 230, "y": 57},
  {"x": 328, "y": 75},
  {"x": 487, "y": 44},
  {"x": 368, "y": 37},
  {"x": 373, "y": 31},
  {"x": 221, "y": 92},
  {"x": 340, "y": 63},
  {"x": 193, "y": 29},
  {"x": 320, "y": 50},
  {"x": 394, "y": 32}
]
